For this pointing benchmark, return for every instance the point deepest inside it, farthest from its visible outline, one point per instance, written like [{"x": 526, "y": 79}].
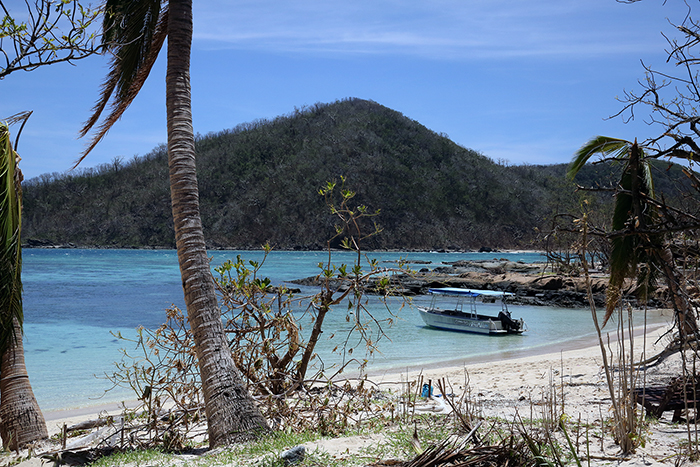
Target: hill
[{"x": 259, "y": 183}]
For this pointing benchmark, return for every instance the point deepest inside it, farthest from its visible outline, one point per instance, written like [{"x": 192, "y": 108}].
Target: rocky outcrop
[
  {"x": 529, "y": 283},
  {"x": 552, "y": 290},
  {"x": 40, "y": 243}
]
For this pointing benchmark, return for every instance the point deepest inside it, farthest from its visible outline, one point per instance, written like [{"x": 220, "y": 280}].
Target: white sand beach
[{"x": 516, "y": 386}]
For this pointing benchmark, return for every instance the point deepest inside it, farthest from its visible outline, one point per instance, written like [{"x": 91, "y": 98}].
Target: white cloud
[{"x": 452, "y": 29}]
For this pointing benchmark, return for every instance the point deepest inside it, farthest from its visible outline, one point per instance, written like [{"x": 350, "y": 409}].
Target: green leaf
[{"x": 599, "y": 145}]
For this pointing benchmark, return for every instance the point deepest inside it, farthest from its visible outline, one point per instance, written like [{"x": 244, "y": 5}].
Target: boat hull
[{"x": 463, "y": 322}]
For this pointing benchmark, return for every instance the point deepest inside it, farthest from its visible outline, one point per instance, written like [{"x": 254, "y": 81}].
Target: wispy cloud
[{"x": 442, "y": 29}]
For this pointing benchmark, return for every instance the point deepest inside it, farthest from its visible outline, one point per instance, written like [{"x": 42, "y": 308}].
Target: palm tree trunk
[
  {"x": 231, "y": 412},
  {"x": 683, "y": 309},
  {"x": 22, "y": 420}
]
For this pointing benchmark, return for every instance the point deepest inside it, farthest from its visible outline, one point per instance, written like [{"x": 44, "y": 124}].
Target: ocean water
[{"x": 75, "y": 300}]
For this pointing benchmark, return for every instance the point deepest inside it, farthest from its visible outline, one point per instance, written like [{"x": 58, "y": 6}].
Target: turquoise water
[{"x": 75, "y": 299}]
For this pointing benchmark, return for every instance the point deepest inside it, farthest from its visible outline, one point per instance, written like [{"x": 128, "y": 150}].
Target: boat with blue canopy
[{"x": 455, "y": 309}]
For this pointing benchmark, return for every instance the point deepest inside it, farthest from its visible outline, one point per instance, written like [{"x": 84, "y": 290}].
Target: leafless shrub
[
  {"x": 268, "y": 344},
  {"x": 162, "y": 371}
]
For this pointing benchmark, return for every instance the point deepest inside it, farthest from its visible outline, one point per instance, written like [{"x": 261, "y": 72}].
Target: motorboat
[{"x": 455, "y": 309}]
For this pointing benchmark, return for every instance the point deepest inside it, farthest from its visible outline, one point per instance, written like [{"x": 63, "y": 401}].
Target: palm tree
[
  {"x": 134, "y": 31},
  {"x": 21, "y": 420},
  {"x": 638, "y": 247}
]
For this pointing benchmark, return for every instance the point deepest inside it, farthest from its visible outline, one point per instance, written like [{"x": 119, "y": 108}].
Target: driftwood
[
  {"x": 678, "y": 395},
  {"x": 90, "y": 424},
  {"x": 454, "y": 453},
  {"x": 105, "y": 436},
  {"x": 448, "y": 454},
  {"x": 672, "y": 348}
]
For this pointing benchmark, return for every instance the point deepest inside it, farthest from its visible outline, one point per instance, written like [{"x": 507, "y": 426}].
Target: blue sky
[{"x": 523, "y": 82}]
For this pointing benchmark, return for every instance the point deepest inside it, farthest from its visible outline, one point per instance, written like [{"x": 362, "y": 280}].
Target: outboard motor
[{"x": 508, "y": 323}]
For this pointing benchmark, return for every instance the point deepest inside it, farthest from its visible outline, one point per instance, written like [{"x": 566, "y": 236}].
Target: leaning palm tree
[
  {"x": 134, "y": 32},
  {"x": 21, "y": 420},
  {"x": 638, "y": 247}
]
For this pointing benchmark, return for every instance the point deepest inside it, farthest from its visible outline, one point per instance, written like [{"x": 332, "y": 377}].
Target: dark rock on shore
[
  {"x": 528, "y": 282},
  {"x": 38, "y": 243}
]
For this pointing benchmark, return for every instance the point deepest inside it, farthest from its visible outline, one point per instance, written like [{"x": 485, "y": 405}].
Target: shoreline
[
  {"x": 567, "y": 382},
  {"x": 379, "y": 367},
  {"x": 70, "y": 246},
  {"x": 584, "y": 346},
  {"x": 92, "y": 411},
  {"x": 585, "y": 343}
]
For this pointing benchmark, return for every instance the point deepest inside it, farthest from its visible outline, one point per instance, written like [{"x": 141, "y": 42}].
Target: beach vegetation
[
  {"x": 657, "y": 238},
  {"x": 21, "y": 420},
  {"x": 270, "y": 348},
  {"x": 134, "y": 34},
  {"x": 266, "y": 450},
  {"x": 381, "y": 436},
  {"x": 650, "y": 237},
  {"x": 135, "y": 457},
  {"x": 56, "y": 31},
  {"x": 619, "y": 365}
]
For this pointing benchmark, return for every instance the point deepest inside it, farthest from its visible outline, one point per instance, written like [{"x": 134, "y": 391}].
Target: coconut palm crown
[
  {"x": 631, "y": 242},
  {"x": 10, "y": 251}
]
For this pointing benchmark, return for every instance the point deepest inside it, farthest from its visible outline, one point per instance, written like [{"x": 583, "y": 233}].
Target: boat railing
[
  {"x": 472, "y": 306},
  {"x": 469, "y": 296}
]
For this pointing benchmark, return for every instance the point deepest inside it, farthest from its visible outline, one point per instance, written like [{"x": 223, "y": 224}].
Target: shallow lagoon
[{"x": 74, "y": 299}]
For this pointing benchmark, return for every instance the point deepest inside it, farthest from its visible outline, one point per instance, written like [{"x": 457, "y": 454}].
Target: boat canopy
[{"x": 455, "y": 291}]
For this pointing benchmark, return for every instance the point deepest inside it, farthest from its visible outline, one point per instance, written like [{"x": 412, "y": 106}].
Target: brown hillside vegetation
[{"x": 259, "y": 183}]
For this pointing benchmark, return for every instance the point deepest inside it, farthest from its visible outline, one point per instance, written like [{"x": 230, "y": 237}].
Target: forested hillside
[{"x": 259, "y": 183}]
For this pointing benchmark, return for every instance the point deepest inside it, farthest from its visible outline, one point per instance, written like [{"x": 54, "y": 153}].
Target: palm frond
[
  {"x": 622, "y": 262},
  {"x": 10, "y": 245},
  {"x": 602, "y": 145},
  {"x": 135, "y": 33},
  {"x": 628, "y": 257}
]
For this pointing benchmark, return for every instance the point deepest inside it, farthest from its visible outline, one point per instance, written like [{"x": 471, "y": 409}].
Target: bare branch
[{"x": 55, "y": 31}]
